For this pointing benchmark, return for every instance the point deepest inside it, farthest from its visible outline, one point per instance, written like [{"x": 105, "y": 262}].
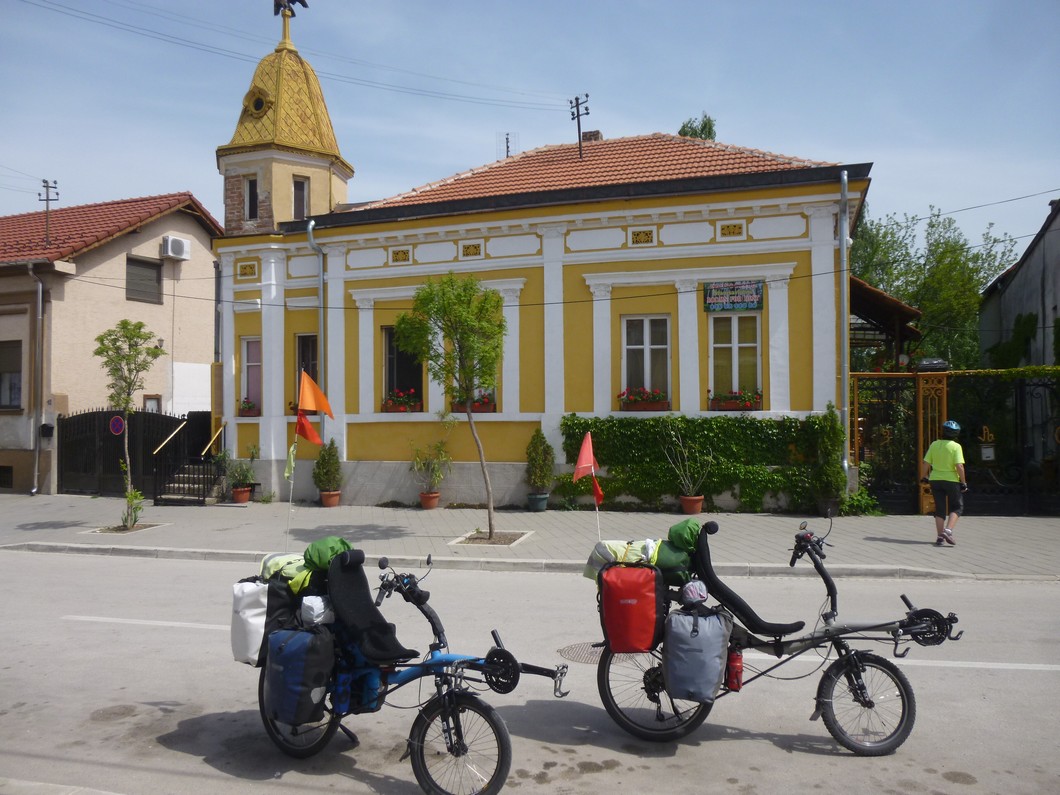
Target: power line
[{"x": 117, "y": 24}]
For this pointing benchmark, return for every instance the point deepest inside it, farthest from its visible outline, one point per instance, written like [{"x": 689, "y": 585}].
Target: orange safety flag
[
  {"x": 310, "y": 398},
  {"x": 586, "y": 464},
  {"x": 305, "y": 430}
]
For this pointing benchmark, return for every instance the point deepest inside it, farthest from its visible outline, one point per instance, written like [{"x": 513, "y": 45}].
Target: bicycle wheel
[
  {"x": 872, "y": 722},
  {"x": 631, "y": 687},
  {"x": 299, "y": 741},
  {"x": 480, "y": 756}
]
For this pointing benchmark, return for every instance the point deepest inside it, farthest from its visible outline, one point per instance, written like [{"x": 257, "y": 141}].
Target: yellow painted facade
[{"x": 584, "y": 276}]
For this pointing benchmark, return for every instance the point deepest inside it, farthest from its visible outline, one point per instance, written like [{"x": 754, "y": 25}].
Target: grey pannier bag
[{"x": 694, "y": 652}]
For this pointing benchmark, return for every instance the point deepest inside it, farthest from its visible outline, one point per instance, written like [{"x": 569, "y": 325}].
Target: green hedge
[{"x": 752, "y": 457}]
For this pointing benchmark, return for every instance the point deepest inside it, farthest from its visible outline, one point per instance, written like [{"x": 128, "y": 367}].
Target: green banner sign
[{"x": 733, "y": 296}]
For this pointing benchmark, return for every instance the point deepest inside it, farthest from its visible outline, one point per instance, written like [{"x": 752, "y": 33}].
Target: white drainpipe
[
  {"x": 844, "y": 316},
  {"x": 38, "y": 374}
]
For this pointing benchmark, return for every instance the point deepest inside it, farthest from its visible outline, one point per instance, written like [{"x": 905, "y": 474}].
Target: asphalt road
[{"x": 116, "y": 675}]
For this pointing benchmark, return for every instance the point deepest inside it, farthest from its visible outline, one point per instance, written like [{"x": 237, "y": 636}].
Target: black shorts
[{"x": 948, "y": 498}]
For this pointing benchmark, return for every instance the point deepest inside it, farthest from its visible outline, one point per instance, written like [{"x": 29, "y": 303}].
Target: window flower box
[
  {"x": 737, "y": 401},
  {"x": 390, "y": 408},
  {"x": 483, "y": 404},
  {"x": 641, "y": 399},
  {"x": 401, "y": 401},
  {"x": 645, "y": 405}
]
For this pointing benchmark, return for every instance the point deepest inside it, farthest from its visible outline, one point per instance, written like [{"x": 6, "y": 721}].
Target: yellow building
[{"x": 661, "y": 262}]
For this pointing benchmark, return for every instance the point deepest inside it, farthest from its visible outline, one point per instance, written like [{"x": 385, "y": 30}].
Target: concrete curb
[{"x": 520, "y": 564}]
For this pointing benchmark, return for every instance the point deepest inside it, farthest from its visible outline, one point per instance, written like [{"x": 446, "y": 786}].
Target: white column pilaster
[
  {"x": 335, "y": 352},
  {"x": 365, "y": 355},
  {"x": 510, "y": 359},
  {"x": 688, "y": 346},
  {"x": 555, "y": 360},
  {"x": 779, "y": 349},
  {"x": 825, "y": 306},
  {"x": 228, "y": 337},
  {"x": 273, "y": 437},
  {"x": 601, "y": 347}
]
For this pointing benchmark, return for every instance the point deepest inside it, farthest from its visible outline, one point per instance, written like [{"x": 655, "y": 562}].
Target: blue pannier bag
[{"x": 297, "y": 670}]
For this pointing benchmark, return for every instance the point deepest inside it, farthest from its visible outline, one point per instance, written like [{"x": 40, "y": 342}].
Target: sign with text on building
[{"x": 733, "y": 296}]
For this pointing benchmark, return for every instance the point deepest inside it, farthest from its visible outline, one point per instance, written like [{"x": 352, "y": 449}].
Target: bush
[
  {"x": 540, "y": 463},
  {"x": 327, "y": 471}
]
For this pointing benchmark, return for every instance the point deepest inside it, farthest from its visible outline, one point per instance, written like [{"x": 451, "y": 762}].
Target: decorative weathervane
[{"x": 285, "y": 5}]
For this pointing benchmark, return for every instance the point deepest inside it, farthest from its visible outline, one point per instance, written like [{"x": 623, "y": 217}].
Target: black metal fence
[
  {"x": 1010, "y": 432},
  {"x": 90, "y": 449}
]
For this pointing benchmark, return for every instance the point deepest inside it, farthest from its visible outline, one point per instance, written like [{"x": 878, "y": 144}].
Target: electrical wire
[{"x": 116, "y": 24}]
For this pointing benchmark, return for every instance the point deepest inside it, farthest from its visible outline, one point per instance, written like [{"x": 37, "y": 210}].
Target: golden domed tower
[{"x": 283, "y": 163}]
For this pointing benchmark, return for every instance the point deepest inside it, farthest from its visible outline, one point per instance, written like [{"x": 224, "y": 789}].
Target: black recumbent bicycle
[{"x": 865, "y": 701}]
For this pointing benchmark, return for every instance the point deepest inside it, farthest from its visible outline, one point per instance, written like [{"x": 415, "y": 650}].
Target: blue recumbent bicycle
[{"x": 458, "y": 742}]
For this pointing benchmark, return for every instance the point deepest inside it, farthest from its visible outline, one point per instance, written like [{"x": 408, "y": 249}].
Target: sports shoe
[
  {"x": 948, "y": 535},
  {"x": 939, "y": 542}
]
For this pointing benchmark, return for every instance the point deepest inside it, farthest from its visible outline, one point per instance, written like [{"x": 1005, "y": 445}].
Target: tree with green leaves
[
  {"x": 457, "y": 327},
  {"x": 703, "y": 127},
  {"x": 128, "y": 351},
  {"x": 944, "y": 279}
]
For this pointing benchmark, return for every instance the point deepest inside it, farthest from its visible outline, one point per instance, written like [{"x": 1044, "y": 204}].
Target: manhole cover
[{"x": 587, "y": 653}]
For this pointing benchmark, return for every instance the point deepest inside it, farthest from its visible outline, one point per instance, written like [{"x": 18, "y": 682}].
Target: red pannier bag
[{"x": 632, "y": 607}]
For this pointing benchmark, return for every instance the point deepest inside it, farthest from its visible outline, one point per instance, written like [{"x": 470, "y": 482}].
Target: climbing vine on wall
[{"x": 752, "y": 458}]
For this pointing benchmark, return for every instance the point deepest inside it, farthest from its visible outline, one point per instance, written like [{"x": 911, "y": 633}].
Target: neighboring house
[
  {"x": 685, "y": 265},
  {"x": 1030, "y": 287},
  {"x": 69, "y": 274}
]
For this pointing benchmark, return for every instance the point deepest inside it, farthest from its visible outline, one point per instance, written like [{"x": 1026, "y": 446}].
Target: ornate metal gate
[
  {"x": 1010, "y": 435},
  {"x": 90, "y": 454}
]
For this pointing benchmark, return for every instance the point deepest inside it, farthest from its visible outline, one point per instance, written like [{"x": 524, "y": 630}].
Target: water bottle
[{"x": 734, "y": 670}]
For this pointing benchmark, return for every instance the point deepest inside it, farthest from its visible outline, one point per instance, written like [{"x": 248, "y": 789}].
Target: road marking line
[
  {"x": 987, "y": 666},
  {"x": 146, "y": 623}
]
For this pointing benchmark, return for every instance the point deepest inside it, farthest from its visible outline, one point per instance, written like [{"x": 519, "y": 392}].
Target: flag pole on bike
[
  {"x": 310, "y": 398},
  {"x": 586, "y": 465}
]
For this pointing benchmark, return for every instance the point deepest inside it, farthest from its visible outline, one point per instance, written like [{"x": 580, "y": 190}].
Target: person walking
[{"x": 944, "y": 472}]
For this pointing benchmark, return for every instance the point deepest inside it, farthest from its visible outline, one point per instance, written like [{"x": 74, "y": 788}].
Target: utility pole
[
  {"x": 579, "y": 107},
  {"x": 47, "y": 198}
]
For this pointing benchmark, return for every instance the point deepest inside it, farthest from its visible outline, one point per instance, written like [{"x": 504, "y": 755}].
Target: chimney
[{"x": 592, "y": 135}]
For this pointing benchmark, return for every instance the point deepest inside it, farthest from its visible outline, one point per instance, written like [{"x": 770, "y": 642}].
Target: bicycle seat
[
  {"x": 351, "y": 599},
  {"x": 727, "y": 597}
]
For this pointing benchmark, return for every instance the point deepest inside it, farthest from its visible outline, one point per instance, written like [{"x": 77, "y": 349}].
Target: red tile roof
[
  {"x": 75, "y": 230},
  {"x": 639, "y": 159}
]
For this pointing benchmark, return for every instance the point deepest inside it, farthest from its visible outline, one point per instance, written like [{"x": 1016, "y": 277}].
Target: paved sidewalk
[{"x": 1022, "y": 548}]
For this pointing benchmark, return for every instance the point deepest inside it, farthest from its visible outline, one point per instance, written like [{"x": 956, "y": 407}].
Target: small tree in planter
[
  {"x": 540, "y": 470},
  {"x": 327, "y": 474}
]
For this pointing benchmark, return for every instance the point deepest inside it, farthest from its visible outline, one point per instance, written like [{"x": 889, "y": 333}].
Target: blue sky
[{"x": 955, "y": 103}]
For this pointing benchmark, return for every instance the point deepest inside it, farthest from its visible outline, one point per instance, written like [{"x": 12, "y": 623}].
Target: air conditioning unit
[{"x": 176, "y": 248}]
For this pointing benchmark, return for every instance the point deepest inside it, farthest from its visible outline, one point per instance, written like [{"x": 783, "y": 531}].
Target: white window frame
[
  {"x": 733, "y": 349},
  {"x": 648, "y": 348},
  {"x": 249, "y": 367}
]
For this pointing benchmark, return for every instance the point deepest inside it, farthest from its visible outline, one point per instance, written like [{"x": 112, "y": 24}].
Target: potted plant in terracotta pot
[
  {"x": 248, "y": 408},
  {"x": 431, "y": 464},
  {"x": 327, "y": 474},
  {"x": 689, "y": 461},
  {"x": 239, "y": 473},
  {"x": 540, "y": 470}
]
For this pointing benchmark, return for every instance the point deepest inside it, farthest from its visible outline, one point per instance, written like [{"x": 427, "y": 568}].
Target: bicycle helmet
[{"x": 950, "y": 429}]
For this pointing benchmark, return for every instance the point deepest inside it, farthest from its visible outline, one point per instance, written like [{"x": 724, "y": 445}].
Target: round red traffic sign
[{"x": 117, "y": 425}]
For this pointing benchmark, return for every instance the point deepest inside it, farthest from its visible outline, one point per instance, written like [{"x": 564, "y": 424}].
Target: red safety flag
[
  {"x": 586, "y": 464},
  {"x": 305, "y": 430},
  {"x": 310, "y": 398},
  {"x": 598, "y": 493}
]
